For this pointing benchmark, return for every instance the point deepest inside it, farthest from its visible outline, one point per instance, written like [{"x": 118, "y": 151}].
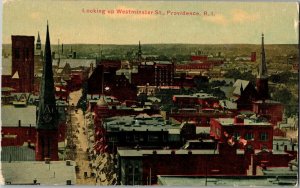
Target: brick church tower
[
  {"x": 47, "y": 121},
  {"x": 262, "y": 77},
  {"x": 23, "y": 62}
]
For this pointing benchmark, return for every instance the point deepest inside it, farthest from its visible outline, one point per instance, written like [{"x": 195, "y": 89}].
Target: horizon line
[{"x": 130, "y": 44}]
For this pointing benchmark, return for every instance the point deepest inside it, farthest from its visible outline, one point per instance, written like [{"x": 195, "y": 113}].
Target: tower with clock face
[{"x": 47, "y": 120}]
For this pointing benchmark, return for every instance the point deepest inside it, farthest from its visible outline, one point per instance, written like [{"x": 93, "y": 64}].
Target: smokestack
[
  {"x": 74, "y": 55},
  {"x": 29, "y": 143}
]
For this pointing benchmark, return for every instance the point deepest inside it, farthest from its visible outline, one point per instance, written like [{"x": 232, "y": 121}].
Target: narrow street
[{"x": 79, "y": 130}]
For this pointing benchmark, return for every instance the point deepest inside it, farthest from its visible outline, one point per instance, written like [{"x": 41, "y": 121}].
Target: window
[
  {"x": 236, "y": 135},
  {"x": 264, "y": 136},
  {"x": 136, "y": 138},
  {"x": 17, "y": 53},
  {"x": 153, "y": 138},
  {"x": 128, "y": 138},
  {"x": 249, "y": 136}
]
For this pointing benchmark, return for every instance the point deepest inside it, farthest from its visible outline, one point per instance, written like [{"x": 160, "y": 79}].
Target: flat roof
[
  {"x": 55, "y": 173},
  {"x": 281, "y": 171},
  {"x": 128, "y": 152},
  {"x": 230, "y": 122},
  {"x": 17, "y": 153},
  {"x": 141, "y": 122},
  {"x": 10, "y": 116},
  {"x": 226, "y": 181}
]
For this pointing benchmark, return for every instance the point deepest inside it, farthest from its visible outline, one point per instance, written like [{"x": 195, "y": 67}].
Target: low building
[
  {"x": 39, "y": 173},
  {"x": 226, "y": 181}
]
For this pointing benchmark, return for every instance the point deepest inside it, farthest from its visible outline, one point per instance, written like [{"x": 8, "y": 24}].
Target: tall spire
[
  {"x": 262, "y": 77},
  {"x": 140, "y": 52},
  {"x": 262, "y": 71},
  {"x": 38, "y": 45},
  {"x": 47, "y": 114},
  {"x": 38, "y": 39}
]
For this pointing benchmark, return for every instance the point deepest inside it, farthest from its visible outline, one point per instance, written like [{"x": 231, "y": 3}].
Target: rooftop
[
  {"x": 141, "y": 122},
  {"x": 11, "y": 115},
  {"x": 128, "y": 152},
  {"x": 227, "y": 181},
  {"x": 281, "y": 171},
  {"x": 17, "y": 153},
  {"x": 75, "y": 63},
  {"x": 6, "y": 66},
  {"x": 55, "y": 173},
  {"x": 247, "y": 122}
]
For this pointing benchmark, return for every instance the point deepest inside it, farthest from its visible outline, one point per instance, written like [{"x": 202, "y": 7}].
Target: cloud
[
  {"x": 217, "y": 19},
  {"x": 240, "y": 16},
  {"x": 123, "y": 12},
  {"x": 35, "y": 16},
  {"x": 235, "y": 16}
]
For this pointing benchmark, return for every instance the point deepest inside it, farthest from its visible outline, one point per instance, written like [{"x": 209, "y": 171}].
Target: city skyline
[{"x": 232, "y": 23}]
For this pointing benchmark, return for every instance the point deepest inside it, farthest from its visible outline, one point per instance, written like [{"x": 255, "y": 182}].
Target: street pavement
[{"x": 80, "y": 131}]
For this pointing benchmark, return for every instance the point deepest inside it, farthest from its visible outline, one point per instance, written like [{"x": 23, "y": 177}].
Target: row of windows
[
  {"x": 17, "y": 53},
  {"x": 140, "y": 138},
  {"x": 263, "y": 136}
]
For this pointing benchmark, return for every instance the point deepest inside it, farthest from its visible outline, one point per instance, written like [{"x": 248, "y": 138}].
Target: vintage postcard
[{"x": 168, "y": 93}]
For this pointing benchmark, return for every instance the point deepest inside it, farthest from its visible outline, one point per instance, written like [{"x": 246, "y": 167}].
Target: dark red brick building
[
  {"x": 244, "y": 132},
  {"x": 272, "y": 110},
  {"x": 113, "y": 85},
  {"x": 156, "y": 73},
  {"x": 141, "y": 167},
  {"x": 23, "y": 62}
]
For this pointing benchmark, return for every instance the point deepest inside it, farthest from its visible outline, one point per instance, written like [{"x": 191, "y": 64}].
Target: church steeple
[
  {"x": 38, "y": 45},
  {"x": 47, "y": 120},
  {"x": 262, "y": 77},
  {"x": 139, "y": 54},
  {"x": 47, "y": 114},
  {"x": 262, "y": 71}
]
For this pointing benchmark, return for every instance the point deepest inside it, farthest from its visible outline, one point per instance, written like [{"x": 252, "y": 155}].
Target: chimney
[
  {"x": 68, "y": 182},
  {"x": 29, "y": 143},
  {"x": 92, "y": 66},
  {"x": 238, "y": 119},
  {"x": 47, "y": 160},
  {"x": 68, "y": 162}
]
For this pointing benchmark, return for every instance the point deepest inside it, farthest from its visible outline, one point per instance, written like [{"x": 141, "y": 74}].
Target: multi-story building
[
  {"x": 141, "y": 167},
  {"x": 244, "y": 132},
  {"x": 154, "y": 73},
  {"x": 139, "y": 131}
]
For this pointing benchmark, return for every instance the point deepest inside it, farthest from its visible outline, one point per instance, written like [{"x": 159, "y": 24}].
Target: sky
[{"x": 231, "y": 22}]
